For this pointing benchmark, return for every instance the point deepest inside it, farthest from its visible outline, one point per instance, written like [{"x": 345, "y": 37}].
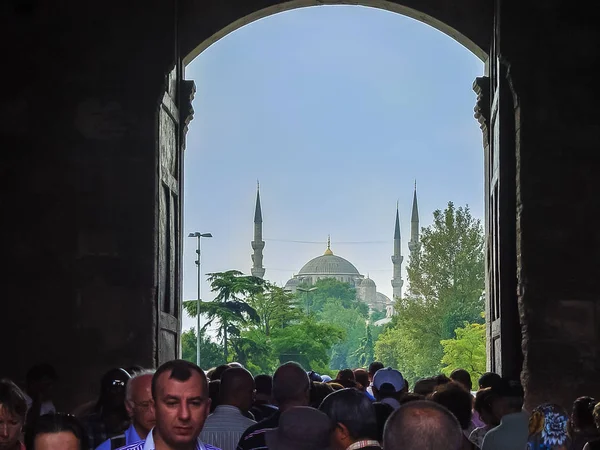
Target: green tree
[
  {"x": 326, "y": 289},
  {"x": 446, "y": 282},
  {"x": 366, "y": 352},
  {"x": 449, "y": 268},
  {"x": 228, "y": 310},
  {"x": 211, "y": 352},
  {"x": 274, "y": 307},
  {"x": 466, "y": 350},
  {"x": 307, "y": 342},
  {"x": 353, "y": 322}
]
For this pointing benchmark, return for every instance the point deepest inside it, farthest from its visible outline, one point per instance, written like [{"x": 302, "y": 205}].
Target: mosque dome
[
  {"x": 367, "y": 282},
  {"x": 329, "y": 264}
]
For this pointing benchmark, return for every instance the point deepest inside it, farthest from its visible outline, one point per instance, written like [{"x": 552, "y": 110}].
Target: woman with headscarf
[{"x": 548, "y": 428}]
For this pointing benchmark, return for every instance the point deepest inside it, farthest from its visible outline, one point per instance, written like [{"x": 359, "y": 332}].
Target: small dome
[
  {"x": 367, "y": 282},
  {"x": 328, "y": 265}
]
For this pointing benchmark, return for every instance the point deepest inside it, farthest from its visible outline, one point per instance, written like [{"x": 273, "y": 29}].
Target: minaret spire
[
  {"x": 414, "y": 244},
  {"x": 258, "y": 244},
  {"x": 397, "y": 259}
]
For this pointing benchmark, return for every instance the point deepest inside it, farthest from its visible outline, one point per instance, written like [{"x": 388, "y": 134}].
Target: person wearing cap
[
  {"x": 353, "y": 420},
  {"x": 507, "y": 405},
  {"x": 388, "y": 386},
  {"x": 110, "y": 417},
  {"x": 300, "y": 428}
]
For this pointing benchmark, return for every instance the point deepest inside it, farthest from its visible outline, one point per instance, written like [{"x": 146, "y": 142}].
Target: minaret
[
  {"x": 414, "y": 245},
  {"x": 258, "y": 244},
  {"x": 397, "y": 259}
]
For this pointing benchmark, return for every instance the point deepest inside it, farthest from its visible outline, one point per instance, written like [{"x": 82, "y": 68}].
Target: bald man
[
  {"x": 227, "y": 423},
  {"x": 422, "y": 425},
  {"x": 291, "y": 387}
]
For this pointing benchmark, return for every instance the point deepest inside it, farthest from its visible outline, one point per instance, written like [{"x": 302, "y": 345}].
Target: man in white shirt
[
  {"x": 225, "y": 426},
  {"x": 181, "y": 405},
  {"x": 513, "y": 430}
]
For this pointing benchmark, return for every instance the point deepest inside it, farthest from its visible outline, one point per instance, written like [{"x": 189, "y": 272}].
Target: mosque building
[{"x": 329, "y": 265}]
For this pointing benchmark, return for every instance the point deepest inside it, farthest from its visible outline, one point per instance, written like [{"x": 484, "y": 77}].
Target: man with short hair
[
  {"x": 353, "y": 420},
  {"x": 388, "y": 386},
  {"x": 227, "y": 423},
  {"x": 421, "y": 425},
  {"x": 291, "y": 387},
  {"x": 140, "y": 407},
  {"x": 507, "y": 405},
  {"x": 263, "y": 407},
  {"x": 362, "y": 379},
  {"x": 462, "y": 377},
  {"x": 373, "y": 368},
  {"x": 181, "y": 404}
]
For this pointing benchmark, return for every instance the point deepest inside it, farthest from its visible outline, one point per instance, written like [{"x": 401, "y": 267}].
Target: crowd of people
[{"x": 181, "y": 407}]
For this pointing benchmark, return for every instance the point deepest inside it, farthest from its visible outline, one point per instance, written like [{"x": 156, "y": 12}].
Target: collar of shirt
[
  {"x": 131, "y": 435},
  {"x": 363, "y": 444},
  {"x": 149, "y": 444},
  {"x": 228, "y": 409}
]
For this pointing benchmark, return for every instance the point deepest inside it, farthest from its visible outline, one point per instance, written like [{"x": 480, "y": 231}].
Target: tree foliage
[
  {"x": 466, "y": 350},
  {"x": 228, "y": 310},
  {"x": 446, "y": 283},
  {"x": 211, "y": 352}
]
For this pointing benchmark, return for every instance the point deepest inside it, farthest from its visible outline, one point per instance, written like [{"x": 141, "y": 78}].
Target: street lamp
[
  {"x": 312, "y": 289},
  {"x": 199, "y": 236}
]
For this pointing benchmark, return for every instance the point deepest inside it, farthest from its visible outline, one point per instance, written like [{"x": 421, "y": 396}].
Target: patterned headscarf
[{"x": 548, "y": 428}]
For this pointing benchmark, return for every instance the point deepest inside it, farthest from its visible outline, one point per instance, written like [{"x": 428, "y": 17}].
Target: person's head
[
  {"x": 235, "y": 365},
  {"x": 388, "y": 382},
  {"x": 13, "y": 409},
  {"x": 291, "y": 386},
  {"x": 112, "y": 389},
  {"x": 548, "y": 428},
  {"x": 483, "y": 406},
  {"x": 508, "y": 398},
  {"x": 362, "y": 379},
  {"x": 488, "y": 379},
  {"x": 457, "y": 400},
  {"x": 352, "y": 417},
  {"x": 318, "y": 392},
  {"x": 58, "y": 432},
  {"x": 345, "y": 374},
  {"x": 373, "y": 368},
  {"x": 218, "y": 372},
  {"x": 40, "y": 380},
  {"x": 411, "y": 397},
  {"x": 139, "y": 401},
  {"x": 582, "y": 417},
  {"x": 214, "y": 388},
  {"x": 422, "y": 425},
  {"x": 441, "y": 379},
  {"x": 264, "y": 388},
  {"x": 462, "y": 377},
  {"x": 182, "y": 404},
  {"x": 237, "y": 389},
  {"x": 425, "y": 386},
  {"x": 300, "y": 428},
  {"x": 382, "y": 413}
]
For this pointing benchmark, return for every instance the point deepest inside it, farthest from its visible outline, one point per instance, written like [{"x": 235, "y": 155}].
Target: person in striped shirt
[{"x": 181, "y": 404}]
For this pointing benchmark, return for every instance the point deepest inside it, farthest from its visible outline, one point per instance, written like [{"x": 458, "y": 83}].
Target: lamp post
[
  {"x": 312, "y": 289},
  {"x": 199, "y": 236}
]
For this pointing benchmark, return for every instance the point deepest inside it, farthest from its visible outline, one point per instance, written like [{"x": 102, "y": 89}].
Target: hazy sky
[{"x": 336, "y": 110}]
